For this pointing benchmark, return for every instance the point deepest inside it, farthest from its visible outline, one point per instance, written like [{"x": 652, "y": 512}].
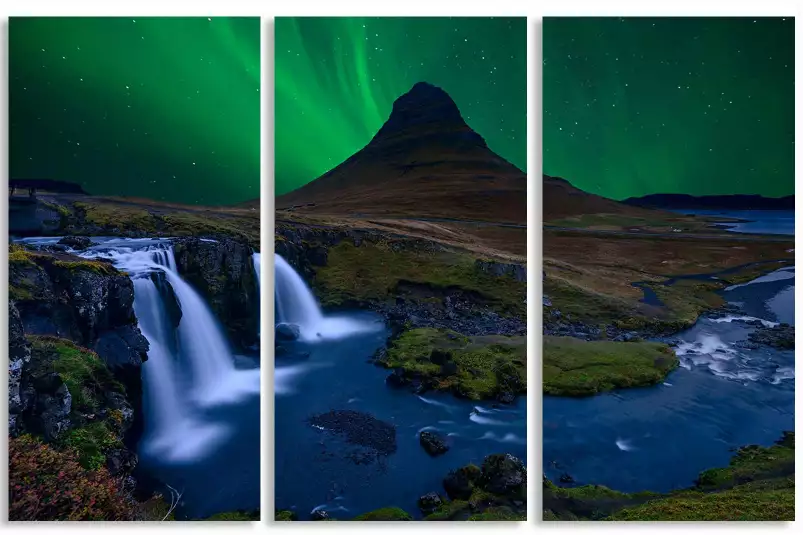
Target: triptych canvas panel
[{"x": 395, "y": 370}]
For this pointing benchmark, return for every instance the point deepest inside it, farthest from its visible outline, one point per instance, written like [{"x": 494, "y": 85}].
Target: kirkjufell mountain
[{"x": 424, "y": 162}]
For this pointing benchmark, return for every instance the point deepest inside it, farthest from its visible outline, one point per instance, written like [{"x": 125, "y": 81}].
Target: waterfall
[
  {"x": 296, "y": 305},
  {"x": 256, "y": 259},
  {"x": 174, "y": 400}
]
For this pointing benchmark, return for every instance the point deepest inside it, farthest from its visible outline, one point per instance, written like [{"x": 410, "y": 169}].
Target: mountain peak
[{"x": 426, "y": 107}]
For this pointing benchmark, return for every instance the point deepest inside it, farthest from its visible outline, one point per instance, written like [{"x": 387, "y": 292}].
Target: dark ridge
[
  {"x": 682, "y": 201},
  {"x": 54, "y": 186}
]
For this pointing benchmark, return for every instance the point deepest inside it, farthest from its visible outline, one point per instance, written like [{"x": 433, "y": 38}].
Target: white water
[
  {"x": 176, "y": 430},
  {"x": 296, "y": 305}
]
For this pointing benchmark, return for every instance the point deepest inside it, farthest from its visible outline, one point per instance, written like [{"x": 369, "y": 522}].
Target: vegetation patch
[
  {"x": 386, "y": 513},
  {"x": 235, "y": 516},
  {"x": 376, "y": 271},
  {"x": 574, "y": 367},
  {"x": 477, "y": 367},
  {"x": 46, "y": 484},
  {"x": 86, "y": 376},
  {"x": 91, "y": 442}
]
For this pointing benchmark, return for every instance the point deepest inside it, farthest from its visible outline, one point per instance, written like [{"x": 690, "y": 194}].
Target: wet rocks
[
  {"x": 75, "y": 242},
  {"x": 287, "y": 331},
  {"x": 459, "y": 484},
  {"x": 359, "y": 428},
  {"x": 19, "y": 353},
  {"x": 320, "y": 514},
  {"x": 223, "y": 272},
  {"x": 503, "y": 474},
  {"x": 780, "y": 337},
  {"x": 432, "y": 443},
  {"x": 429, "y": 503}
]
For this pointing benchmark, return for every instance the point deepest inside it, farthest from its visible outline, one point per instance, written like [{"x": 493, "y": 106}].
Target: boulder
[
  {"x": 503, "y": 474},
  {"x": 19, "y": 353},
  {"x": 432, "y": 443},
  {"x": 459, "y": 484},
  {"x": 320, "y": 514},
  {"x": 287, "y": 331},
  {"x": 78, "y": 243},
  {"x": 429, "y": 503}
]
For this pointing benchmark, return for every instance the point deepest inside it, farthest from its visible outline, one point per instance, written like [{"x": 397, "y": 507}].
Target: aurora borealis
[
  {"x": 703, "y": 106},
  {"x": 163, "y": 108},
  {"x": 336, "y": 80}
]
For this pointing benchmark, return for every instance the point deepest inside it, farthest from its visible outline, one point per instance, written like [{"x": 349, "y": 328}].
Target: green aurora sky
[
  {"x": 336, "y": 80},
  {"x": 703, "y": 106},
  {"x": 164, "y": 108}
]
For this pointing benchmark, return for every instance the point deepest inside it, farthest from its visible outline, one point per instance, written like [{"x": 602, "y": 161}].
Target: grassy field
[{"x": 589, "y": 276}]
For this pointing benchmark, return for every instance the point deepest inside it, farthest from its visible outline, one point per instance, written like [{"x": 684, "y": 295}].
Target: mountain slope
[
  {"x": 425, "y": 162},
  {"x": 562, "y": 200}
]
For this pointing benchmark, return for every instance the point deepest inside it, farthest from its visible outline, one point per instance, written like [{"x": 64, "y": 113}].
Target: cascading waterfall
[
  {"x": 296, "y": 305},
  {"x": 176, "y": 430}
]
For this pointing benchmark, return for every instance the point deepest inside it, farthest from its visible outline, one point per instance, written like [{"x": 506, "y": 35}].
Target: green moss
[
  {"x": 376, "y": 272},
  {"x": 285, "y": 516},
  {"x": 101, "y": 268},
  {"x": 476, "y": 367},
  {"x": 84, "y": 373},
  {"x": 761, "y": 500},
  {"x": 235, "y": 516},
  {"x": 91, "y": 443},
  {"x": 496, "y": 514},
  {"x": 213, "y": 224},
  {"x": 751, "y": 463},
  {"x": 452, "y": 510},
  {"x": 574, "y": 367},
  {"x": 386, "y": 513},
  {"x": 114, "y": 215},
  {"x": 19, "y": 255}
]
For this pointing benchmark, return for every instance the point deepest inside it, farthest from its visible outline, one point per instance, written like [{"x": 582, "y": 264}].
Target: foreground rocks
[
  {"x": 359, "y": 428},
  {"x": 780, "y": 337}
]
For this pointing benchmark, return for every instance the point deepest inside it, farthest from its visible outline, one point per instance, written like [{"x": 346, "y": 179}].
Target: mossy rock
[
  {"x": 478, "y": 367},
  {"x": 385, "y": 514},
  {"x": 235, "y": 516},
  {"x": 91, "y": 442},
  {"x": 574, "y": 367},
  {"x": 285, "y": 516}
]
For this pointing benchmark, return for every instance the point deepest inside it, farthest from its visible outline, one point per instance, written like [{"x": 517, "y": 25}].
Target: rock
[
  {"x": 432, "y": 443},
  {"x": 449, "y": 368},
  {"x": 287, "y": 331},
  {"x": 75, "y": 242},
  {"x": 429, "y": 503},
  {"x": 506, "y": 397},
  {"x": 566, "y": 478},
  {"x": 780, "y": 337},
  {"x": 398, "y": 379},
  {"x": 499, "y": 269},
  {"x": 53, "y": 409},
  {"x": 546, "y": 301},
  {"x": 19, "y": 354},
  {"x": 503, "y": 474},
  {"x": 223, "y": 273},
  {"x": 121, "y": 461},
  {"x": 320, "y": 514},
  {"x": 459, "y": 484},
  {"x": 359, "y": 428}
]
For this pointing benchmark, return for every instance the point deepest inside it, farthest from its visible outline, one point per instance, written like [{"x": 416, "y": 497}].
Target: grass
[
  {"x": 117, "y": 216},
  {"x": 377, "y": 272},
  {"x": 478, "y": 367},
  {"x": 385, "y": 514},
  {"x": 235, "y": 516},
  {"x": 91, "y": 442},
  {"x": 285, "y": 516},
  {"x": 101, "y": 268},
  {"x": 621, "y": 221},
  {"x": 574, "y": 367},
  {"x": 84, "y": 373}
]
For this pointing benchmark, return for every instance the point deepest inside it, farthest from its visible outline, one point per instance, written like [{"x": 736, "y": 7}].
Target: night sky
[
  {"x": 164, "y": 108},
  {"x": 336, "y": 80},
  {"x": 704, "y": 106}
]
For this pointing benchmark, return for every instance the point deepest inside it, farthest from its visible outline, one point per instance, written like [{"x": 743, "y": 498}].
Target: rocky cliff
[{"x": 223, "y": 272}]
